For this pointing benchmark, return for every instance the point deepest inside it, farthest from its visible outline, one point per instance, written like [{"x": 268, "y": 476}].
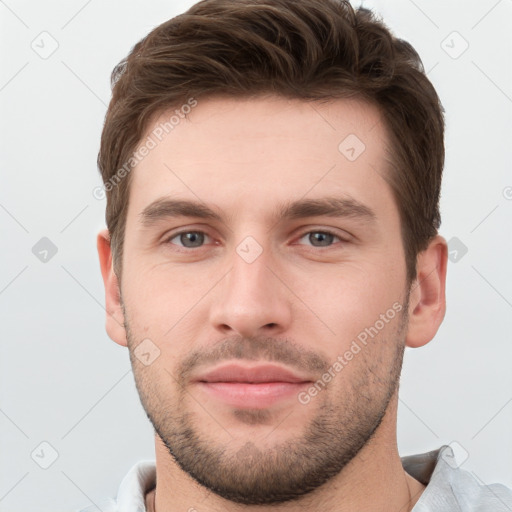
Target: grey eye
[{"x": 189, "y": 239}]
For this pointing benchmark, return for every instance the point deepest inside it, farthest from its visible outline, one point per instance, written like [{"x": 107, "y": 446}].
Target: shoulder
[
  {"x": 473, "y": 495},
  {"x": 454, "y": 488},
  {"x": 131, "y": 492}
]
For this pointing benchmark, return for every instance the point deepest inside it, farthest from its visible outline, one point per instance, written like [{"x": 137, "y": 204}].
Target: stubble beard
[{"x": 250, "y": 475}]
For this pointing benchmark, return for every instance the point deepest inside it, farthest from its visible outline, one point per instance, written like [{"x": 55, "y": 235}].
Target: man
[{"x": 273, "y": 171}]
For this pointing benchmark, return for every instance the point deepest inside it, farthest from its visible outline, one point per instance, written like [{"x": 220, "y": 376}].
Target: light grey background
[{"x": 64, "y": 382}]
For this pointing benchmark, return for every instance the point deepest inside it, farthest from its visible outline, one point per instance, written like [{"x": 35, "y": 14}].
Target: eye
[
  {"x": 320, "y": 238},
  {"x": 196, "y": 239},
  {"x": 188, "y": 239}
]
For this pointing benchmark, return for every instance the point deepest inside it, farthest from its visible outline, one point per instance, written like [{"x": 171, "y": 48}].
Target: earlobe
[
  {"x": 114, "y": 312},
  {"x": 427, "y": 301}
]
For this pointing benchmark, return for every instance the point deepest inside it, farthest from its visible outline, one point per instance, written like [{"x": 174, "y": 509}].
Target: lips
[
  {"x": 256, "y": 387},
  {"x": 251, "y": 375}
]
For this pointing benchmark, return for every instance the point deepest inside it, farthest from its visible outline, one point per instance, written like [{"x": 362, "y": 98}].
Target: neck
[{"x": 374, "y": 480}]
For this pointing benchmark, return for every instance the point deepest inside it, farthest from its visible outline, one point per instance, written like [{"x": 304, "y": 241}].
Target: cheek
[
  {"x": 165, "y": 289},
  {"x": 350, "y": 298},
  {"x": 167, "y": 305}
]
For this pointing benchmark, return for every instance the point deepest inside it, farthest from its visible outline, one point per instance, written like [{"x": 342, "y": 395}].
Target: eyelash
[{"x": 302, "y": 235}]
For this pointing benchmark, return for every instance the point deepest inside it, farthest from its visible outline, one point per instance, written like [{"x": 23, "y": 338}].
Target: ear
[
  {"x": 427, "y": 301},
  {"x": 115, "y": 317}
]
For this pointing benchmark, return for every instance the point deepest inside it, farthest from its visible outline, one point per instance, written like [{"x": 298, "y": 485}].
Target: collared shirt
[{"x": 449, "y": 488}]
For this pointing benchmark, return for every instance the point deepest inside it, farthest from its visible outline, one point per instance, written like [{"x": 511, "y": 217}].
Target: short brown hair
[{"x": 305, "y": 49}]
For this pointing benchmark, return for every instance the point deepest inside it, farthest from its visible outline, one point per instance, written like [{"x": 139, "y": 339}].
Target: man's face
[{"x": 256, "y": 289}]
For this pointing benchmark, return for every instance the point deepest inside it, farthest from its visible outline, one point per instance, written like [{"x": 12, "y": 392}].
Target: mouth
[
  {"x": 253, "y": 387},
  {"x": 251, "y": 375}
]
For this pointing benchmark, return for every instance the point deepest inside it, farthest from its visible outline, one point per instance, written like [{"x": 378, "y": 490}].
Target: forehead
[{"x": 251, "y": 154}]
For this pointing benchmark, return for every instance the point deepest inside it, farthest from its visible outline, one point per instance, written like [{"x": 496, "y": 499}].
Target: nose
[{"x": 251, "y": 299}]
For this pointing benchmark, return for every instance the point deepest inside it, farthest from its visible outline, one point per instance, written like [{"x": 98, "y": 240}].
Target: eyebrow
[{"x": 165, "y": 208}]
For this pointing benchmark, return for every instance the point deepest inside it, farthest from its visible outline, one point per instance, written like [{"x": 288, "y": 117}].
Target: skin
[{"x": 298, "y": 303}]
